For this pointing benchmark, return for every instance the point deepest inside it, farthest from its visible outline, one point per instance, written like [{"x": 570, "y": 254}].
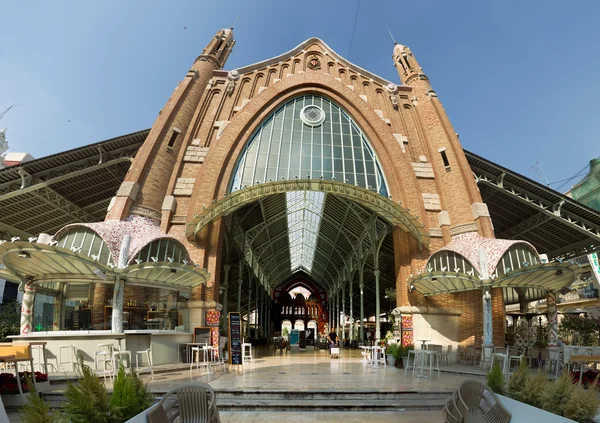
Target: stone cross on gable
[{"x": 3, "y": 142}]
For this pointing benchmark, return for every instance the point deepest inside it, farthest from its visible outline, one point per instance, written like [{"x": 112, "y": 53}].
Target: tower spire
[{"x": 407, "y": 66}]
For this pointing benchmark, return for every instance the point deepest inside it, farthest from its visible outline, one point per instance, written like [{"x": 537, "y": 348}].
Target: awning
[
  {"x": 548, "y": 276},
  {"x": 45, "y": 263}
]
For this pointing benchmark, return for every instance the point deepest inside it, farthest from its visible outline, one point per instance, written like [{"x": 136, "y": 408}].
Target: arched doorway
[
  {"x": 286, "y": 327},
  {"x": 299, "y": 324}
]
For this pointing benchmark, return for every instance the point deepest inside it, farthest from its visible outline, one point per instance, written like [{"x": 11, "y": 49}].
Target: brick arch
[{"x": 219, "y": 164}]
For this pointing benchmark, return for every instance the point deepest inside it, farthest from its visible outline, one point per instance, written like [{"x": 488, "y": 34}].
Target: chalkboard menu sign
[
  {"x": 235, "y": 338},
  {"x": 302, "y": 343}
]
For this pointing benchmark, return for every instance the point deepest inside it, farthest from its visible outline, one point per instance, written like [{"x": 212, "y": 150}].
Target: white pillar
[
  {"x": 361, "y": 285},
  {"x": 119, "y": 288},
  {"x": 351, "y": 313}
]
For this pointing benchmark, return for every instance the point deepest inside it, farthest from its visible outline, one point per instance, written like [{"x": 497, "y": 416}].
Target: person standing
[{"x": 332, "y": 338}]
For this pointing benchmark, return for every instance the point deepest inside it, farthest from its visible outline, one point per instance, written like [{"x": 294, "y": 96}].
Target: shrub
[
  {"x": 10, "y": 318},
  {"x": 533, "y": 388},
  {"x": 130, "y": 395},
  {"x": 87, "y": 400},
  {"x": 495, "y": 379},
  {"x": 517, "y": 381},
  {"x": 36, "y": 410},
  {"x": 582, "y": 405},
  {"x": 556, "y": 395}
]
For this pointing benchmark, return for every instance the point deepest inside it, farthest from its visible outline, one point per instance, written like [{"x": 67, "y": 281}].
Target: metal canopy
[
  {"x": 46, "y": 194},
  {"x": 547, "y": 276},
  {"x": 262, "y": 227},
  {"x": 45, "y": 263},
  {"x": 521, "y": 208}
]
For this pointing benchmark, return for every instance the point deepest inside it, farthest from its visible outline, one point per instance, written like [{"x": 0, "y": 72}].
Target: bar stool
[
  {"x": 117, "y": 357},
  {"x": 244, "y": 355},
  {"x": 42, "y": 360},
  {"x": 71, "y": 357},
  {"x": 415, "y": 354},
  {"x": 434, "y": 358},
  {"x": 196, "y": 351},
  {"x": 104, "y": 355},
  {"x": 140, "y": 354}
]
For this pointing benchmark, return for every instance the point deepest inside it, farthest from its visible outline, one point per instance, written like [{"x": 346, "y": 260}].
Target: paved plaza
[{"x": 290, "y": 386}]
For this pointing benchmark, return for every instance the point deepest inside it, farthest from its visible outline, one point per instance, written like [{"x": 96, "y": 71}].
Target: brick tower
[{"x": 144, "y": 189}]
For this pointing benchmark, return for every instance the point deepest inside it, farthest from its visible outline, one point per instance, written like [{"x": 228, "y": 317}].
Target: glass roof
[
  {"x": 309, "y": 137},
  {"x": 305, "y": 209}
]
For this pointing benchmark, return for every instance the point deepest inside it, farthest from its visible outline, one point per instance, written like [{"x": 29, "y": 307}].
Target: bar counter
[{"x": 165, "y": 343}]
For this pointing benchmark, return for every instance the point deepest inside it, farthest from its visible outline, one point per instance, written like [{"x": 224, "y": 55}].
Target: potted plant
[
  {"x": 391, "y": 351},
  {"x": 402, "y": 354}
]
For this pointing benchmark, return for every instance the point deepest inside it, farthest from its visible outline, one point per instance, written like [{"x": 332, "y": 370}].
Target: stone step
[
  {"x": 330, "y": 405},
  {"x": 328, "y": 395}
]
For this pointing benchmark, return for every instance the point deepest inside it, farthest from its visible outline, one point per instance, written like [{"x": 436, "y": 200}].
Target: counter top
[{"x": 94, "y": 333}]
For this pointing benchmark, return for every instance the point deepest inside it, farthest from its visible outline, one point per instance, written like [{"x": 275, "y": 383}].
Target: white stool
[
  {"x": 104, "y": 355},
  {"x": 117, "y": 357},
  {"x": 139, "y": 354},
  {"x": 415, "y": 354},
  {"x": 434, "y": 362},
  {"x": 196, "y": 351},
  {"x": 42, "y": 360},
  {"x": 244, "y": 355},
  {"x": 71, "y": 357}
]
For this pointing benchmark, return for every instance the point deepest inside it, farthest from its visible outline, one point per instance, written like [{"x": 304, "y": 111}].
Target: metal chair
[
  {"x": 470, "y": 353},
  {"x": 447, "y": 356},
  {"x": 477, "y": 403},
  {"x": 450, "y": 413},
  {"x": 191, "y": 403},
  {"x": 71, "y": 354}
]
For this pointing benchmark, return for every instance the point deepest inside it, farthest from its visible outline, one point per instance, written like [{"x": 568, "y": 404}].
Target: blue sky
[{"x": 519, "y": 79}]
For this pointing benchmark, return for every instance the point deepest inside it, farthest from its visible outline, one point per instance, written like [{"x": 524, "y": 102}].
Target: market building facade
[{"x": 300, "y": 170}]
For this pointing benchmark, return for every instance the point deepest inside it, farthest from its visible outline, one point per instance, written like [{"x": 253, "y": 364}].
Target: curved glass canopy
[{"x": 309, "y": 137}]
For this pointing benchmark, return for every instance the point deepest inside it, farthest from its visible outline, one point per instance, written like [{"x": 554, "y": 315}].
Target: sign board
[
  {"x": 234, "y": 328},
  {"x": 302, "y": 340},
  {"x": 310, "y": 337},
  {"x": 202, "y": 335},
  {"x": 294, "y": 337}
]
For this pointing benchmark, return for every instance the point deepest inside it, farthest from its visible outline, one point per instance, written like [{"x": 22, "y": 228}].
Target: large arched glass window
[{"x": 309, "y": 137}]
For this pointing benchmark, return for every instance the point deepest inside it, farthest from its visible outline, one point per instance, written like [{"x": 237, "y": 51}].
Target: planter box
[{"x": 523, "y": 413}]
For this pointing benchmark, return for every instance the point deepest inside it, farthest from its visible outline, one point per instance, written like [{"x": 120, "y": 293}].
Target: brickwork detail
[
  {"x": 480, "y": 210},
  {"x": 423, "y": 170},
  {"x": 128, "y": 189},
  {"x": 169, "y": 203},
  {"x": 431, "y": 202},
  {"x": 146, "y": 212},
  {"x": 184, "y": 186},
  {"x": 464, "y": 228},
  {"x": 195, "y": 154},
  {"x": 401, "y": 141},
  {"x": 222, "y": 124},
  {"x": 364, "y": 97},
  {"x": 444, "y": 218}
]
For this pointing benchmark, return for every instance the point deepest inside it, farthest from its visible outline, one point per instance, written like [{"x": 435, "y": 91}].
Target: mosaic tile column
[
  {"x": 27, "y": 308},
  {"x": 119, "y": 288},
  {"x": 552, "y": 320},
  {"x": 407, "y": 330},
  {"x": 487, "y": 318}
]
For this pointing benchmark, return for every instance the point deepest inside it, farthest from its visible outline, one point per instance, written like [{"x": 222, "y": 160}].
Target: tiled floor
[{"x": 310, "y": 371}]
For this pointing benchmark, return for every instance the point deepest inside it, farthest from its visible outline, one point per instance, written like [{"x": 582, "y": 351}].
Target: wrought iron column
[
  {"x": 337, "y": 311},
  {"x": 250, "y": 277},
  {"x": 351, "y": 315},
  {"x": 361, "y": 285},
  {"x": 343, "y": 317},
  {"x": 225, "y": 293},
  {"x": 377, "y": 312},
  {"x": 239, "y": 299}
]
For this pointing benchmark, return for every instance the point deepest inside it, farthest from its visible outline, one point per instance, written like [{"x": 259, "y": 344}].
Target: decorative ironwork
[{"x": 383, "y": 207}]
